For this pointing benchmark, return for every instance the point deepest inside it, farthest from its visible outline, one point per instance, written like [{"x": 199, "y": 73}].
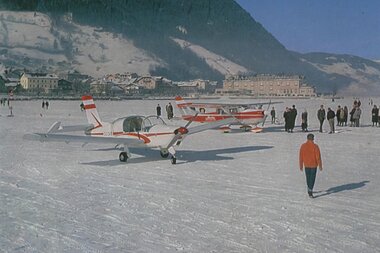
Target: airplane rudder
[{"x": 90, "y": 109}]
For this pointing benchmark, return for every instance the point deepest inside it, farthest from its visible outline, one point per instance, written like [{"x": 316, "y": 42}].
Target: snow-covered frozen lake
[{"x": 237, "y": 192}]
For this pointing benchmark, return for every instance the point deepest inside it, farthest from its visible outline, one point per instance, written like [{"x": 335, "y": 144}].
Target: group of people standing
[
  {"x": 3, "y": 101},
  {"x": 290, "y": 115},
  {"x": 321, "y": 114},
  {"x": 169, "y": 111},
  {"x": 342, "y": 115},
  {"x": 45, "y": 104}
]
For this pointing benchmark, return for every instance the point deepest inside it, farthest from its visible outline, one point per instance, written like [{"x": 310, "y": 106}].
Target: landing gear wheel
[
  {"x": 164, "y": 154},
  {"x": 174, "y": 160},
  {"x": 123, "y": 157}
]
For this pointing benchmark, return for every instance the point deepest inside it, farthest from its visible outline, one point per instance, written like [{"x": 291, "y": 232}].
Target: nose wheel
[
  {"x": 123, "y": 157},
  {"x": 174, "y": 160}
]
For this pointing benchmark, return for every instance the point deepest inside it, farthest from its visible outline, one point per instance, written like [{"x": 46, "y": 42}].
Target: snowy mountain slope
[
  {"x": 91, "y": 50},
  {"x": 217, "y": 62},
  {"x": 363, "y": 75},
  {"x": 33, "y": 36}
]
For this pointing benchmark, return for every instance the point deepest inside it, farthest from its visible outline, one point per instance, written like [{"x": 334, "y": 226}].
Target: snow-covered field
[{"x": 237, "y": 192}]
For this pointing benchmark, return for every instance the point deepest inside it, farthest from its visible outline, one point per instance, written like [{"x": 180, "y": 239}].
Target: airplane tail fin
[
  {"x": 184, "y": 106},
  {"x": 91, "y": 111}
]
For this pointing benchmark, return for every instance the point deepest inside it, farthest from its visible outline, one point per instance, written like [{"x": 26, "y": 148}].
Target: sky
[{"x": 332, "y": 26}]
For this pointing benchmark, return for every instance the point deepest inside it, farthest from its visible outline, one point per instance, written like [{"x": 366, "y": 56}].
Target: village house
[
  {"x": 195, "y": 86},
  {"x": 148, "y": 82},
  {"x": 38, "y": 81}
]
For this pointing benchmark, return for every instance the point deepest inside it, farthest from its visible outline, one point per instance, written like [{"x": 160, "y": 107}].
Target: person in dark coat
[
  {"x": 375, "y": 115},
  {"x": 292, "y": 118},
  {"x": 304, "y": 121},
  {"x": 321, "y": 114},
  {"x": 158, "y": 110},
  {"x": 169, "y": 110},
  {"x": 286, "y": 119},
  {"x": 352, "y": 116},
  {"x": 273, "y": 115},
  {"x": 345, "y": 110},
  {"x": 338, "y": 112},
  {"x": 330, "y": 118}
]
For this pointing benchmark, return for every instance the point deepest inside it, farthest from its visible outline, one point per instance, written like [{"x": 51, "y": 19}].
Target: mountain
[{"x": 178, "y": 39}]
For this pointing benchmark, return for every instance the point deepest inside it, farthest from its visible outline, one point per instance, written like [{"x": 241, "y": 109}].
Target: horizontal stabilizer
[
  {"x": 58, "y": 128},
  {"x": 74, "y": 128}
]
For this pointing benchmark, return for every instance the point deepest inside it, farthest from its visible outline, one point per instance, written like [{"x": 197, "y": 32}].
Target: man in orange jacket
[{"x": 310, "y": 157}]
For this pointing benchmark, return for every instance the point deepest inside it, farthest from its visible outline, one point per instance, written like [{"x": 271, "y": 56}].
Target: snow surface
[{"x": 237, "y": 192}]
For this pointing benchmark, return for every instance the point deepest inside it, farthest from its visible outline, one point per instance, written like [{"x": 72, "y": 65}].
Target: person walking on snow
[
  {"x": 330, "y": 118},
  {"x": 158, "y": 110},
  {"x": 321, "y": 114},
  {"x": 310, "y": 159},
  {"x": 304, "y": 121}
]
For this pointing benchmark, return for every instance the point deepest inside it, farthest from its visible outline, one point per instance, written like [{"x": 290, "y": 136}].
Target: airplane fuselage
[{"x": 247, "y": 117}]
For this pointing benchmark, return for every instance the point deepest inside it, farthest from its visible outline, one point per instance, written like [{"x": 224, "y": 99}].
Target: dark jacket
[
  {"x": 321, "y": 114},
  {"x": 330, "y": 114},
  {"x": 375, "y": 114}
]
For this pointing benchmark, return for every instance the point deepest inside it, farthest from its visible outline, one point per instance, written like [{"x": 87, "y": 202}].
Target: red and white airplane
[
  {"x": 248, "y": 116},
  {"x": 132, "y": 131}
]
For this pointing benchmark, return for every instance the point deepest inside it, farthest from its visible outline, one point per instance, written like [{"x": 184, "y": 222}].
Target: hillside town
[{"x": 127, "y": 84}]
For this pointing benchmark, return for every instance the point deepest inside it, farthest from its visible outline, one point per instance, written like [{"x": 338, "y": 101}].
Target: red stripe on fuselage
[
  {"x": 90, "y": 106},
  {"x": 86, "y": 98}
]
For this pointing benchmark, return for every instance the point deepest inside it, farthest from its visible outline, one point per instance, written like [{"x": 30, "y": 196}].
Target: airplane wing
[
  {"x": 200, "y": 128},
  {"x": 52, "y": 137},
  {"x": 214, "y": 124},
  {"x": 228, "y": 105}
]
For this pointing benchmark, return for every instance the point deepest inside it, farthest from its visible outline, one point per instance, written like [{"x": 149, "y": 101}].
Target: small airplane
[
  {"x": 132, "y": 131},
  {"x": 248, "y": 116}
]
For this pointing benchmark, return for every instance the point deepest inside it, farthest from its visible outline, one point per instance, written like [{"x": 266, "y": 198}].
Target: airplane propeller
[{"x": 266, "y": 115}]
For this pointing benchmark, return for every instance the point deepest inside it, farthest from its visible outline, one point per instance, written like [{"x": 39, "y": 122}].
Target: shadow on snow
[
  {"x": 183, "y": 156},
  {"x": 345, "y": 187}
]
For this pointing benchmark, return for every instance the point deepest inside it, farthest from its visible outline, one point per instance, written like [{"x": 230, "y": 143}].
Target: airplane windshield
[
  {"x": 151, "y": 121},
  {"x": 133, "y": 124}
]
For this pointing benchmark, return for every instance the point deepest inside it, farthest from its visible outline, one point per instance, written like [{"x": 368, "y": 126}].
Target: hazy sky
[{"x": 334, "y": 26}]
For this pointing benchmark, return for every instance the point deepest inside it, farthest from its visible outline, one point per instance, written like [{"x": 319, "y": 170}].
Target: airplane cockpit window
[
  {"x": 132, "y": 124},
  {"x": 233, "y": 110},
  {"x": 220, "y": 111},
  {"x": 151, "y": 121}
]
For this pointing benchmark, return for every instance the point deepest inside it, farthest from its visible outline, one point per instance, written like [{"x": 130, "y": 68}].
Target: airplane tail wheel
[
  {"x": 164, "y": 154},
  {"x": 174, "y": 160},
  {"x": 123, "y": 157}
]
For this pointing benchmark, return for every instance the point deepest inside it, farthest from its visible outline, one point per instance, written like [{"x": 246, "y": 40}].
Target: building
[
  {"x": 266, "y": 85},
  {"x": 148, "y": 82},
  {"x": 194, "y": 86},
  {"x": 40, "y": 82},
  {"x": 65, "y": 86}
]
